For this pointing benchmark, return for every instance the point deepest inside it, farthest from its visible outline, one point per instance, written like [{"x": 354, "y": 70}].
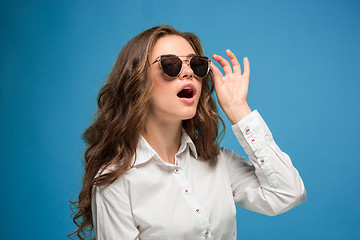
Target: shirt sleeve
[
  {"x": 111, "y": 212},
  {"x": 270, "y": 185}
]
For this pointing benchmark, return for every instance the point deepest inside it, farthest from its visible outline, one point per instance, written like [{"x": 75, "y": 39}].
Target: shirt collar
[
  {"x": 187, "y": 142},
  {"x": 144, "y": 152}
]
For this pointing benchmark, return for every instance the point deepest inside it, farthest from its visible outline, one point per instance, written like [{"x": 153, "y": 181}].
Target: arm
[
  {"x": 111, "y": 212},
  {"x": 271, "y": 185}
]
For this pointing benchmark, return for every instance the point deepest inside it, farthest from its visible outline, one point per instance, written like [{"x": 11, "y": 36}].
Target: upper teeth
[{"x": 187, "y": 88}]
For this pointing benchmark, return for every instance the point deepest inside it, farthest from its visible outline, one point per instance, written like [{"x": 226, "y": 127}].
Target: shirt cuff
[{"x": 252, "y": 133}]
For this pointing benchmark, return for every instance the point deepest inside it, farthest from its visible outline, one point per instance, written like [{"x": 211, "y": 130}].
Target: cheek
[
  {"x": 199, "y": 87},
  {"x": 160, "y": 90},
  {"x": 161, "y": 94}
]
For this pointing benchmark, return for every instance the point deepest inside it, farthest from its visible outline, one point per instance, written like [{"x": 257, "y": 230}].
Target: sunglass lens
[
  {"x": 200, "y": 66},
  {"x": 171, "y": 65}
]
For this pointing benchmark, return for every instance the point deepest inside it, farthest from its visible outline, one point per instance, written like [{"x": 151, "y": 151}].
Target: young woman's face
[{"x": 174, "y": 98}]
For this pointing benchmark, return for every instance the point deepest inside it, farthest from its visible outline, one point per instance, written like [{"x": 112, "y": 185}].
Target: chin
[{"x": 188, "y": 116}]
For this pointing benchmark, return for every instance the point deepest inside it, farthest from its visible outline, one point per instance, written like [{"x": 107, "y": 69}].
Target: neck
[{"x": 164, "y": 138}]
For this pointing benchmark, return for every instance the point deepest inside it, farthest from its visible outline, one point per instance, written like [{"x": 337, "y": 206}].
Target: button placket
[{"x": 194, "y": 205}]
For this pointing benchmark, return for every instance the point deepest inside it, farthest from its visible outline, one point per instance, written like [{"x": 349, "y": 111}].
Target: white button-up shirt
[{"x": 193, "y": 199}]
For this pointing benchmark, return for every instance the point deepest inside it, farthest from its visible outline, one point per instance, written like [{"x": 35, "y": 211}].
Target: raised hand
[{"x": 232, "y": 89}]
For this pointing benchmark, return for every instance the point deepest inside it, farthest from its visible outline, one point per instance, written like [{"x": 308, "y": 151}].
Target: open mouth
[{"x": 187, "y": 91}]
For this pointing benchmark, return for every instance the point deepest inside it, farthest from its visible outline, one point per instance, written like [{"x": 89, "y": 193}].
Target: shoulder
[
  {"x": 120, "y": 184},
  {"x": 232, "y": 162},
  {"x": 227, "y": 155}
]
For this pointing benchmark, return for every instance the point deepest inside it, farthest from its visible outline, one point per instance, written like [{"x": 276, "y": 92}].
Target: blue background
[{"x": 304, "y": 55}]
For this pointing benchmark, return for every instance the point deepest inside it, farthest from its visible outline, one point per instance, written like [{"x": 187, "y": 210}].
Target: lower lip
[{"x": 188, "y": 100}]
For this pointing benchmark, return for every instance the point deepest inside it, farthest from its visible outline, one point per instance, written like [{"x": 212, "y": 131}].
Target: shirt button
[
  {"x": 197, "y": 210},
  {"x": 187, "y": 191},
  {"x": 177, "y": 170},
  {"x": 247, "y": 130},
  {"x": 206, "y": 233}
]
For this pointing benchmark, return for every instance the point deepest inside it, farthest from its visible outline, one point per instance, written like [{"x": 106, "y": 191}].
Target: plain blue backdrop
[{"x": 304, "y": 56}]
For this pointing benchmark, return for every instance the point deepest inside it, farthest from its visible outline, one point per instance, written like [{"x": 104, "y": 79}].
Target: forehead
[{"x": 171, "y": 44}]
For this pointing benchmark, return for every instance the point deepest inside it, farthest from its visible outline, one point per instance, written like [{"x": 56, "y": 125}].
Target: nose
[{"x": 186, "y": 71}]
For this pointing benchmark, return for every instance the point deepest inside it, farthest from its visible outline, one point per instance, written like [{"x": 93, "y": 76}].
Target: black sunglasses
[{"x": 172, "y": 64}]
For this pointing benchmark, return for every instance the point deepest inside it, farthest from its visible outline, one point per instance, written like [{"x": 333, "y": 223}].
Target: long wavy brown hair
[{"x": 123, "y": 105}]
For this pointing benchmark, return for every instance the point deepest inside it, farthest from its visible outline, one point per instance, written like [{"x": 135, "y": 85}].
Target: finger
[
  {"x": 225, "y": 64},
  {"x": 246, "y": 67},
  {"x": 235, "y": 63}
]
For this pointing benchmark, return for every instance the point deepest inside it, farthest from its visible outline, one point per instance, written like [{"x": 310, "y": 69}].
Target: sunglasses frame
[{"x": 189, "y": 58}]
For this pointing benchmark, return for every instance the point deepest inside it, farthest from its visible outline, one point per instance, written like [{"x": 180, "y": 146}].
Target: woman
[{"x": 154, "y": 169}]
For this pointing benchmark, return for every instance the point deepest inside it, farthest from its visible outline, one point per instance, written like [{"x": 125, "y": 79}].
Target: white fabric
[{"x": 158, "y": 200}]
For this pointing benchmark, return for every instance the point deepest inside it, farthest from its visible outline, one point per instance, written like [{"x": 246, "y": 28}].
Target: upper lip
[{"x": 192, "y": 86}]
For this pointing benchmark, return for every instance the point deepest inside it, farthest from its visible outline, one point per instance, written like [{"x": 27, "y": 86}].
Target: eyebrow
[{"x": 189, "y": 55}]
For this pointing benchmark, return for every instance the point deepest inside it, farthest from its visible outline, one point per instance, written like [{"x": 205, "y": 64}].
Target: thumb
[{"x": 217, "y": 75}]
